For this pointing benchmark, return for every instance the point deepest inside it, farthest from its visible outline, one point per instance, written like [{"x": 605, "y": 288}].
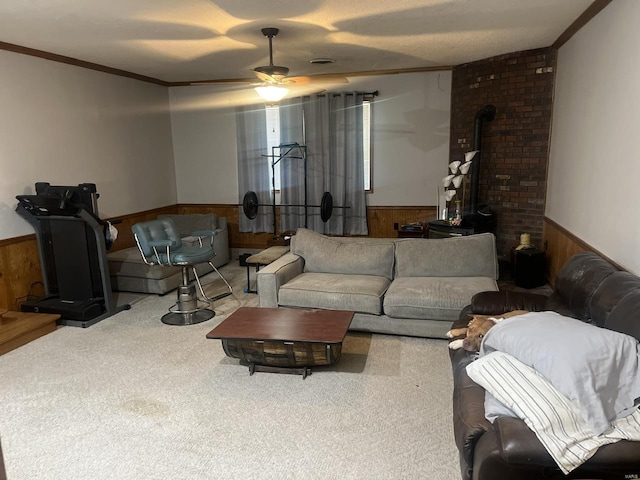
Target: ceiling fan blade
[
  {"x": 265, "y": 77},
  {"x": 296, "y": 80}
]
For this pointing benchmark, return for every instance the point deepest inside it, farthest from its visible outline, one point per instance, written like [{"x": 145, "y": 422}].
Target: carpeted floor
[{"x": 132, "y": 398}]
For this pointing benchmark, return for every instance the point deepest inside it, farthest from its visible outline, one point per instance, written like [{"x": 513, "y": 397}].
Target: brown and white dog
[{"x": 475, "y": 331}]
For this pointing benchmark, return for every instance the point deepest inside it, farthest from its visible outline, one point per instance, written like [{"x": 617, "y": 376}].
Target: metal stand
[
  {"x": 288, "y": 148},
  {"x": 188, "y": 309}
]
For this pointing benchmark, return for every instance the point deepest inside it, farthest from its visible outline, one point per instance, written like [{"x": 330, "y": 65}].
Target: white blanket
[
  {"x": 597, "y": 369},
  {"x": 557, "y": 422}
]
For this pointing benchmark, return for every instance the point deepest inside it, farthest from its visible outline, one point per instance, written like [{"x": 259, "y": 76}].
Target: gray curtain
[
  {"x": 330, "y": 125},
  {"x": 254, "y": 171}
]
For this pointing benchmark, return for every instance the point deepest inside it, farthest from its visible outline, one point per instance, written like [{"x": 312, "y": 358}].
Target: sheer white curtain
[
  {"x": 330, "y": 125},
  {"x": 254, "y": 171}
]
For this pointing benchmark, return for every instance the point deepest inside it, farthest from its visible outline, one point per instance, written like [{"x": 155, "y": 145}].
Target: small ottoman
[{"x": 265, "y": 257}]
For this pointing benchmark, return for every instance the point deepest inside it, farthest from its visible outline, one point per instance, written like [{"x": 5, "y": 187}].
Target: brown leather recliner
[{"x": 588, "y": 288}]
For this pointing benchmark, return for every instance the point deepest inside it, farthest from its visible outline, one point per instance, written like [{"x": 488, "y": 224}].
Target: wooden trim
[
  {"x": 219, "y": 81},
  {"x": 143, "y": 78},
  {"x": 208, "y": 205},
  {"x": 366, "y": 73},
  {"x": 153, "y": 211},
  {"x": 400, "y": 207},
  {"x": 577, "y": 240},
  {"x": 560, "y": 245},
  {"x": 78, "y": 63},
  {"x": 596, "y": 7},
  {"x": 125, "y": 222},
  {"x": 11, "y": 241},
  {"x": 395, "y": 71}
]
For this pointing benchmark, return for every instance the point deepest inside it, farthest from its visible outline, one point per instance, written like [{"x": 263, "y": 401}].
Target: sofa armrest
[
  {"x": 219, "y": 239},
  {"x": 493, "y": 303},
  {"x": 277, "y": 273},
  {"x": 469, "y": 422}
]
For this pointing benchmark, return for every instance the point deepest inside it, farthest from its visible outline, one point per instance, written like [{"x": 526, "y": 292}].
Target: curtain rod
[{"x": 336, "y": 94}]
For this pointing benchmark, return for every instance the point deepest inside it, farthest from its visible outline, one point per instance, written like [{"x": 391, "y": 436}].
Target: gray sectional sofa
[
  {"x": 129, "y": 273},
  {"x": 405, "y": 286}
]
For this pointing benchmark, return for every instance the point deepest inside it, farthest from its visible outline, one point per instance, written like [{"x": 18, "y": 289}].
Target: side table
[
  {"x": 443, "y": 229},
  {"x": 412, "y": 231},
  {"x": 529, "y": 268}
]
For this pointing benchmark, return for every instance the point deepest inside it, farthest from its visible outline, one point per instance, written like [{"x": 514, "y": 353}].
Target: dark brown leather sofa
[{"x": 588, "y": 288}]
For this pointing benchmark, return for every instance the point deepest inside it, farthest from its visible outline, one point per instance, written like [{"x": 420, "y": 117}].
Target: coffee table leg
[{"x": 304, "y": 371}]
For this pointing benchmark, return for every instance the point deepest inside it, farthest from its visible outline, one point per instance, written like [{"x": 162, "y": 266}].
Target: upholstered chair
[{"x": 160, "y": 244}]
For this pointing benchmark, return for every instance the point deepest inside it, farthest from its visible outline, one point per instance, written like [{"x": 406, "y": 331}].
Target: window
[
  {"x": 366, "y": 143},
  {"x": 273, "y": 140}
]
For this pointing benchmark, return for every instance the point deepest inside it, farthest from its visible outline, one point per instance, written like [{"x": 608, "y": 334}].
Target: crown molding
[
  {"x": 78, "y": 63},
  {"x": 593, "y": 9}
]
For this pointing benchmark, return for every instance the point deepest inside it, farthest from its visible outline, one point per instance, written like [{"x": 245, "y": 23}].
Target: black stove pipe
[{"x": 486, "y": 113}]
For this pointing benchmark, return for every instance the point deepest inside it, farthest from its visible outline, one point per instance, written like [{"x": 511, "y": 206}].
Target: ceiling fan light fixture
[{"x": 272, "y": 93}]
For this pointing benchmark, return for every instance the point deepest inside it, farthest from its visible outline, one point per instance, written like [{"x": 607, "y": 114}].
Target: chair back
[{"x": 154, "y": 230}]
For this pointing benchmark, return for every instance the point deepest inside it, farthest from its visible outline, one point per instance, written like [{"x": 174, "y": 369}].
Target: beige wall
[
  {"x": 67, "y": 125},
  {"x": 594, "y": 163},
  {"x": 410, "y": 136}
]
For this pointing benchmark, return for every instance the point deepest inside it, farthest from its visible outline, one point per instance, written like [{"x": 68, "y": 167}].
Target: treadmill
[{"x": 73, "y": 253}]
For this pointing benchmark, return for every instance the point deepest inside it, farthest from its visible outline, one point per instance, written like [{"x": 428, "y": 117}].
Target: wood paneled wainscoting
[
  {"x": 560, "y": 245},
  {"x": 20, "y": 264},
  {"x": 20, "y": 268},
  {"x": 381, "y": 221}
]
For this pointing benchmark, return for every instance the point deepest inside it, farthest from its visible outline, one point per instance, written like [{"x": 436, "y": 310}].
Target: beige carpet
[{"x": 132, "y": 398}]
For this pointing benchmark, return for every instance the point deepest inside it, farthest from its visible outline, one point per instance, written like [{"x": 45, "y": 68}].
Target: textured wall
[{"x": 515, "y": 144}]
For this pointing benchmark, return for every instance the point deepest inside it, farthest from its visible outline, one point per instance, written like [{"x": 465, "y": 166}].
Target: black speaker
[{"x": 529, "y": 268}]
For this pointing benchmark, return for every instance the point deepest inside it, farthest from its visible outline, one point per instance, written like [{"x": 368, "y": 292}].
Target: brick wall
[{"x": 515, "y": 144}]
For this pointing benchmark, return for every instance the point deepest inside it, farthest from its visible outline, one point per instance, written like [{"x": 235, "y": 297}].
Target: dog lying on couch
[{"x": 476, "y": 329}]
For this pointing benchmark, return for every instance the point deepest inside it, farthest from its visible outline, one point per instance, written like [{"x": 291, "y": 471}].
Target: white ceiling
[{"x": 191, "y": 40}]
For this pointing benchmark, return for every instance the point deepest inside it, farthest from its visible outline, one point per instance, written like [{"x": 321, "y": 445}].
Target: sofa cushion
[
  {"x": 360, "y": 293},
  {"x": 159, "y": 286},
  {"x": 129, "y": 263},
  {"x": 469, "y": 256},
  {"x": 433, "y": 297},
  {"x": 324, "y": 254}
]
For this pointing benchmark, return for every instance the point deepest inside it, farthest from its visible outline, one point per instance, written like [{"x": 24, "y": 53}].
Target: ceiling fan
[
  {"x": 274, "y": 79},
  {"x": 277, "y": 75}
]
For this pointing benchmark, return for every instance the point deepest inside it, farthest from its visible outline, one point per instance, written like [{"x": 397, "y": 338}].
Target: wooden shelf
[{"x": 20, "y": 328}]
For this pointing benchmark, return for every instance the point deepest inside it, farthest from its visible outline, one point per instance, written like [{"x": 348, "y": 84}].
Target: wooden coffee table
[{"x": 283, "y": 340}]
